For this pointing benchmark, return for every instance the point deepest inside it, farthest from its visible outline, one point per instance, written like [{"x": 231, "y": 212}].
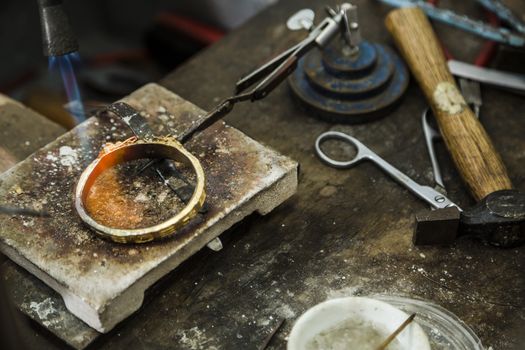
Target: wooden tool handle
[{"x": 467, "y": 141}]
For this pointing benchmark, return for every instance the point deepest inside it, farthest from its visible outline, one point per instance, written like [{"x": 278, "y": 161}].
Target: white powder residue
[
  {"x": 162, "y": 196},
  {"x": 127, "y": 119},
  {"x": 195, "y": 339},
  {"x": 285, "y": 311},
  {"x": 46, "y": 311},
  {"x": 68, "y": 156},
  {"x": 141, "y": 198}
]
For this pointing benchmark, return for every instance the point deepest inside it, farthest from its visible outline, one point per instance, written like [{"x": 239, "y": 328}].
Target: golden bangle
[{"x": 132, "y": 149}]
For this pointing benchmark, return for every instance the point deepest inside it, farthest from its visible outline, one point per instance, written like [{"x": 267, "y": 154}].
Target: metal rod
[
  {"x": 399, "y": 329},
  {"x": 270, "y": 336},
  {"x": 23, "y": 211}
]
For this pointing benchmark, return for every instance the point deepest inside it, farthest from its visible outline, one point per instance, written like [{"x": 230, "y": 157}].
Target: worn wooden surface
[{"x": 346, "y": 232}]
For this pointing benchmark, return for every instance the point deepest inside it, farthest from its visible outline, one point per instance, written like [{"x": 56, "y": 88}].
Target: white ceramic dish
[{"x": 331, "y": 313}]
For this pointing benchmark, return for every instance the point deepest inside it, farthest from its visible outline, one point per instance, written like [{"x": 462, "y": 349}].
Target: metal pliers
[{"x": 272, "y": 73}]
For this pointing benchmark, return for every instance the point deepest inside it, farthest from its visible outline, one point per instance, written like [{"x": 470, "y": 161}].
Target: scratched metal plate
[{"x": 103, "y": 282}]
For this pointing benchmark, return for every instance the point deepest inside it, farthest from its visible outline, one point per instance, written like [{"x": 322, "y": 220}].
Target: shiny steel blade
[{"x": 488, "y": 76}]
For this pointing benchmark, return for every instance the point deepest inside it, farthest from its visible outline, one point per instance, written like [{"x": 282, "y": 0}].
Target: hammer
[{"x": 499, "y": 215}]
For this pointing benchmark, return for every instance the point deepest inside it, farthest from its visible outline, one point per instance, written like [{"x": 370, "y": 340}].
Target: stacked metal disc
[{"x": 350, "y": 87}]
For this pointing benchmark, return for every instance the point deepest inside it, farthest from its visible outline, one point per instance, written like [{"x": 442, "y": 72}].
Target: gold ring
[{"x": 132, "y": 149}]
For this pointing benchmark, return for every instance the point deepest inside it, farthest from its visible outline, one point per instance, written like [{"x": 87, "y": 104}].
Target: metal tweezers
[{"x": 272, "y": 73}]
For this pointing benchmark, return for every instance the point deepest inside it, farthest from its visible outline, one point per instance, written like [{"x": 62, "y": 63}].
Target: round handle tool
[
  {"x": 362, "y": 152},
  {"x": 467, "y": 141}
]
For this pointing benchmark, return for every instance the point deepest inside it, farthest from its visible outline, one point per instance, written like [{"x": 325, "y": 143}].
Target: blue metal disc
[
  {"x": 349, "y": 66},
  {"x": 357, "y": 87},
  {"x": 350, "y": 89}
]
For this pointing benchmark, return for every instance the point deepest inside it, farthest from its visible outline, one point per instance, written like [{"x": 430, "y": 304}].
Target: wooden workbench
[{"x": 346, "y": 232}]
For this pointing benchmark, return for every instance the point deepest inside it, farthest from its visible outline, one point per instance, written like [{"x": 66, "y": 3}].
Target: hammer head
[
  {"x": 498, "y": 219},
  {"x": 436, "y": 226}
]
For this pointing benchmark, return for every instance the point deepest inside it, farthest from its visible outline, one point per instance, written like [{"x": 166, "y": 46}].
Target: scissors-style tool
[{"x": 436, "y": 199}]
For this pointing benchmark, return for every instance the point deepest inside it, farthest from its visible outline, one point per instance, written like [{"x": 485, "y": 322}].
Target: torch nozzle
[{"x": 57, "y": 35}]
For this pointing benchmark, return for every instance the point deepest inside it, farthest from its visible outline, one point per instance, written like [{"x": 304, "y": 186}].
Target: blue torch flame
[{"x": 65, "y": 64}]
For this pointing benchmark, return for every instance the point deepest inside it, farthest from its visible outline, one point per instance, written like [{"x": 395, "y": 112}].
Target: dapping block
[{"x": 350, "y": 88}]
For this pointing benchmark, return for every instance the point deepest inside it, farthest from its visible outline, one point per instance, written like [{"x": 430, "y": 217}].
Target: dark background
[{"x": 128, "y": 43}]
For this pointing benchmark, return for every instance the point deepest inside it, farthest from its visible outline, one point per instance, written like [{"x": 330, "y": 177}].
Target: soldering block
[{"x": 102, "y": 282}]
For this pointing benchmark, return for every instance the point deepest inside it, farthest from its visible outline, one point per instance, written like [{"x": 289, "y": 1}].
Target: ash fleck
[
  {"x": 196, "y": 339},
  {"x": 141, "y": 198},
  {"x": 28, "y": 223},
  {"x": 51, "y": 157}
]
